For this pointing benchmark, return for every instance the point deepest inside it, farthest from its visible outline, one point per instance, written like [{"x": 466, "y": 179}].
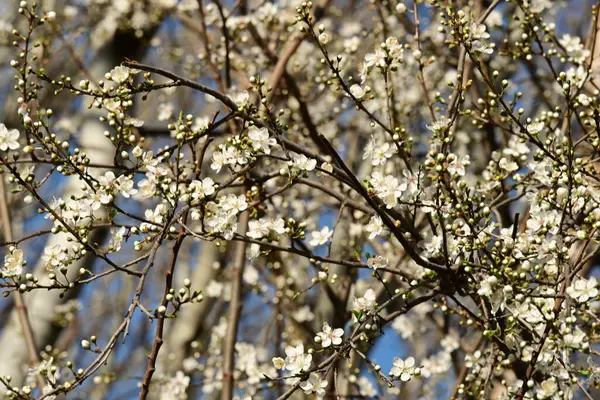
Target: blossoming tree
[{"x": 383, "y": 199}]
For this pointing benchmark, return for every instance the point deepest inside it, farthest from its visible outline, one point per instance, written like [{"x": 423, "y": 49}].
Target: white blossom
[
  {"x": 365, "y": 303},
  {"x": 13, "y": 263},
  {"x": 403, "y": 369},
  {"x": 457, "y": 165},
  {"x": 9, "y": 139},
  {"x": 201, "y": 189},
  {"x": 297, "y": 361},
  {"x": 241, "y": 99},
  {"x": 261, "y": 140},
  {"x": 583, "y": 289},
  {"x": 53, "y": 256},
  {"x": 377, "y": 262},
  {"x": 329, "y": 336},
  {"x": 546, "y": 389},
  {"x": 374, "y": 227},
  {"x": 278, "y": 362},
  {"x": 357, "y": 91},
  {"x": 535, "y": 127},
  {"x": 321, "y": 237},
  {"x": 315, "y": 384},
  {"x": 120, "y": 74},
  {"x": 303, "y": 163}
]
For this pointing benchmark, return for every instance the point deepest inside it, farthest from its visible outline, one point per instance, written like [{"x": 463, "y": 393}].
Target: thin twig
[
  {"x": 235, "y": 311},
  {"x": 158, "y": 338},
  {"x": 20, "y": 306}
]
